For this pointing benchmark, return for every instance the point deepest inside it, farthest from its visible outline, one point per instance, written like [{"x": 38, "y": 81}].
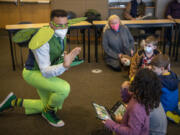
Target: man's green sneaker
[
  {"x": 6, "y": 104},
  {"x": 51, "y": 117}
]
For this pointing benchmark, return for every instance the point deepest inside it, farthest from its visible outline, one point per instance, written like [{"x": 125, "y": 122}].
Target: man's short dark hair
[{"x": 58, "y": 13}]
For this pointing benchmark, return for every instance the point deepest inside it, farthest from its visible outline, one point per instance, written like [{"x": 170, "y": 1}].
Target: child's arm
[
  {"x": 118, "y": 118},
  {"x": 133, "y": 127}
]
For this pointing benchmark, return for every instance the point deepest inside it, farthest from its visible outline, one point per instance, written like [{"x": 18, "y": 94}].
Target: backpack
[{"x": 92, "y": 15}]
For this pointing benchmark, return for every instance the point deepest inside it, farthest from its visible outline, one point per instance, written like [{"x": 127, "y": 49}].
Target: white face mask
[
  {"x": 61, "y": 33},
  {"x": 126, "y": 62},
  {"x": 148, "y": 49}
]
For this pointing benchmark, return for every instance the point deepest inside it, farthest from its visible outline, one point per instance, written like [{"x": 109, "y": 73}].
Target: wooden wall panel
[
  {"x": 8, "y": 0},
  {"x": 9, "y": 14},
  {"x": 36, "y": 13},
  {"x": 35, "y": 1},
  {"x": 13, "y": 14},
  {"x": 81, "y": 6},
  {"x": 100, "y": 5},
  {"x": 77, "y": 6}
]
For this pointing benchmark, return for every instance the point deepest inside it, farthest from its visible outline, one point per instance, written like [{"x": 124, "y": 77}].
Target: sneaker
[
  {"x": 6, "y": 104},
  {"x": 51, "y": 117},
  {"x": 173, "y": 117}
]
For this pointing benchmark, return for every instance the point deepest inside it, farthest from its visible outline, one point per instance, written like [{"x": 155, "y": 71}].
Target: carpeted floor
[{"x": 77, "y": 111}]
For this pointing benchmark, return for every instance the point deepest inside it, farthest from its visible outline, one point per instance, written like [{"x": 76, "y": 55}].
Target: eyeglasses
[{"x": 62, "y": 26}]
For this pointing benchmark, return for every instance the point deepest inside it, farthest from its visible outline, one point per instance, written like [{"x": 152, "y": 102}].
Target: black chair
[
  {"x": 21, "y": 46},
  {"x": 70, "y": 15}
]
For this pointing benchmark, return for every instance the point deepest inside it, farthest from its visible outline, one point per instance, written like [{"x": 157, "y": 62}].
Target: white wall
[{"x": 161, "y": 6}]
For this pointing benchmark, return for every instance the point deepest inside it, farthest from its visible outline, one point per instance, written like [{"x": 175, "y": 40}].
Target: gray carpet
[{"x": 77, "y": 111}]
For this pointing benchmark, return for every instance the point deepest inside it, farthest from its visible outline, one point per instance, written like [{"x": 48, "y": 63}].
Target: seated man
[
  {"x": 135, "y": 10},
  {"x": 173, "y": 12},
  {"x": 42, "y": 68}
]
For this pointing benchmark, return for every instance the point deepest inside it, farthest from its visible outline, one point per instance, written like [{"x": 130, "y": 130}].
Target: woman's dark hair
[
  {"x": 146, "y": 87},
  {"x": 58, "y": 13}
]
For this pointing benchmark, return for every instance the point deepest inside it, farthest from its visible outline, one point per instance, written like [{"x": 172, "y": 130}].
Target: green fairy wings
[
  {"x": 76, "y": 20},
  {"x": 35, "y": 38}
]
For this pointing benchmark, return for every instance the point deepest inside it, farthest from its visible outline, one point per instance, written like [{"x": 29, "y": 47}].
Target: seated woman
[
  {"x": 118, "y": 43},
  {"x": 135, "y": 10}
]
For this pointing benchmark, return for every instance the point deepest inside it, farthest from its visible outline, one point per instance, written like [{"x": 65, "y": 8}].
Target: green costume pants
[{"x": 52, "y": 91}]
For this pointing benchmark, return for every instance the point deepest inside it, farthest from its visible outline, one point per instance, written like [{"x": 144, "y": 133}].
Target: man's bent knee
[{"x": 66, "y": 89}]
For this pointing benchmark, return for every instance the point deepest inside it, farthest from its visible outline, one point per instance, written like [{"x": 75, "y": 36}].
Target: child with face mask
[
  {"x": 169, "y": 98},
  {"x": 143, "y": 56}
]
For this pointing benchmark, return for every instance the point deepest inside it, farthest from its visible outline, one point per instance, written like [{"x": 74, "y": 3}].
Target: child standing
[
  {"x": 169, "y": 98},
  {"x": 146, "y": 88},
  {"x": 143, "y": 57}
]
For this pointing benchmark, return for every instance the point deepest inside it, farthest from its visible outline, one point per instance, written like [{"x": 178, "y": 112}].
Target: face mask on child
[
  {"x": 148, "y": 49},
  {"x": 61, "y": 33},
  {"x": 126, "y": 62},
  {"x": 115, "y": 27},
  {"x": 125, "y": 95}
]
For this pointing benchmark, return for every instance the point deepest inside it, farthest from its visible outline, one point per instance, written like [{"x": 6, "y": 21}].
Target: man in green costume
[{"x": 47, "y": 60}]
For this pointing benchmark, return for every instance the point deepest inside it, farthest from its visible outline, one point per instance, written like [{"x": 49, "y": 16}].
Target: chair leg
[
  {"x": 22, "y": 63},
  {"x": 15, "y": 54},
  {"x": 69, "y": 41},
  {"x": 78, "y": 42}
]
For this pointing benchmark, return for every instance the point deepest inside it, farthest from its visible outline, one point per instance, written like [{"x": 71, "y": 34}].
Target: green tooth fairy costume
[{"x": 44, "y": 64}]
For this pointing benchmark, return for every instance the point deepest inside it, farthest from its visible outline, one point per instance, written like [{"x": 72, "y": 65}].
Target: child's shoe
[
  {"x": 51, "y": 117},
  {"x": 173, "y": 117},
  {"x": 6, "y": 104}
]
